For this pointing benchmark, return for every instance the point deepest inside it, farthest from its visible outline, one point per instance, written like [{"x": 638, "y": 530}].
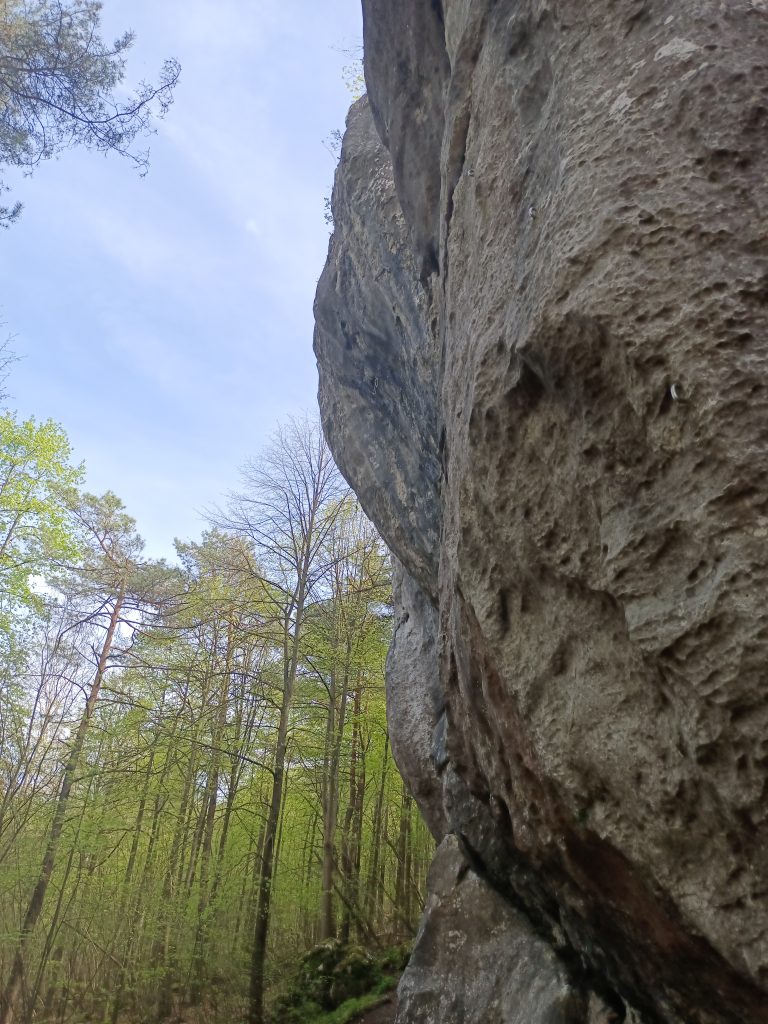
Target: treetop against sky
[{"x": 166, "y": 321}]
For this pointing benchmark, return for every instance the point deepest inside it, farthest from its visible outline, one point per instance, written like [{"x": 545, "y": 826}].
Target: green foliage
[
  {"x": 350, "y": 1010},
  {"x": 315, "y": 974},
  {"x": 59, "y": 83},
  {"x": 36, "y": 531},
  {"x": 395, "y": 958},
  {"x": 334, "y": 983},
  {"x": 354, "y": 78},
  {"x": 151, "y": 908},
  {"x": 353, "y": 975}
]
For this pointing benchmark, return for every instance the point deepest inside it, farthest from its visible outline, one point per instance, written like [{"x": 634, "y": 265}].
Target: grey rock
[
  {"x": 500, "y": 972},
  {"x": 571, "y": 458},
  {"x": 414, "y": 699},
  {"x": 376, "y": 356},
  {"x": 406, "y": 71}
]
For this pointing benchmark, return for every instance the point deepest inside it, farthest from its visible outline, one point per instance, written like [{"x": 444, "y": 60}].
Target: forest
[
  {"x": 196, "y": 785},
  {"x": 199, "y": 811}
]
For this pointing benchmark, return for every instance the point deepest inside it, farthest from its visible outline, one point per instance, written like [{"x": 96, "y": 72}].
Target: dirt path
[{"x": 384, "y": 1013}]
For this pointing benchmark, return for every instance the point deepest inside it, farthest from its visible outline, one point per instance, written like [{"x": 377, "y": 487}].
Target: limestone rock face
[
  {"x": 378, "y": 389},
  {"x": 543, "y": 356},
  {"x": 415, "y": 711},
  {"x": 501, "y": 972}
]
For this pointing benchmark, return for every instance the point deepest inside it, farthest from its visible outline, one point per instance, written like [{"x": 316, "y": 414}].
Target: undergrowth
[
  {"x": 351, "y": 1009},
  {"x": 335, "y": 984}
]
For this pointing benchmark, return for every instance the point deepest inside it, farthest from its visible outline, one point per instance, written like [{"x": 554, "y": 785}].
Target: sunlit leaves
[{"x": 35, "y": 525}]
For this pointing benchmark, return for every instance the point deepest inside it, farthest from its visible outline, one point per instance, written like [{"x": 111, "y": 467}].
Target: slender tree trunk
[
  {"x": 331, "y": 808},
  {"x": 234, "y": 776},
  {"x": 373, "y": 872},
  {"x": 308, "y": 923},
  {"x": 347, "y": 842},
  {"x": 53, "y": 931},
  {"x": 281, "y": 823},
  {"x": 357, "y": 825},
  {"x": 149, "y": 860},
  {"x": 60, "y": 911},
  {"x": 381, "y": 881},
  {"x": 198, "y": 959},
  {"x": 327, "y": 789},
  {"x": 403, "y": 846},
  {"x": 197, "y": 841},
  {"x": 253, "y": 898},
  {"x": 198, "y": 970},
  {"x": 242, "y": 902},
  {"x": 165, "y": 947},
  {"x": 264, "y": 906},
  {"x": 127, "y": 901},
  {"x": 15, "y": 981}
]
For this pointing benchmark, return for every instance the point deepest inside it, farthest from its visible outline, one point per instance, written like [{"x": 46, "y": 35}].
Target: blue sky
[{"x": 166, "y": 322}]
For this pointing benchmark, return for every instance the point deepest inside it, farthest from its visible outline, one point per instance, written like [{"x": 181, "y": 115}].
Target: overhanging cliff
[{"x": 541, "y": 335}]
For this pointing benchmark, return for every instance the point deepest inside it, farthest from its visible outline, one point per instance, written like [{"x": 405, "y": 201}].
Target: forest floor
[{"x": 383, "y": 1013}]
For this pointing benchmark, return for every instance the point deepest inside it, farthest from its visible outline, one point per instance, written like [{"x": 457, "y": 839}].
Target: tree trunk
[
  {"x": 331, "y": 803},
  {"x": 126, "y": 898},
  {"x": 264, "y": 906},
  {"x": 165, "y": 950},
  {"x": 15, "y": 981},
  {"x": 402, "y": 878},
  {"x": 198, "y": 970},
  {"x": 347, "y": 841},
  {"x": 373, "y": 871}
]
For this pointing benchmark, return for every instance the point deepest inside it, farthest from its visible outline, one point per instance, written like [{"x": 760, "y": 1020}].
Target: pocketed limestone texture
[{"x": 541, "y": 335}]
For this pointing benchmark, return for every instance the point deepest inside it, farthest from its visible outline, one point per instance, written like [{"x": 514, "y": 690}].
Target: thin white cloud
[{"x": 144, "y": 250}]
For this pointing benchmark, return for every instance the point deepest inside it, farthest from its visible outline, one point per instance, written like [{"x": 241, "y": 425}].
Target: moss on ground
[
  {"x": 351, "y": 1009},
  {"x": 329, "y": 973}
]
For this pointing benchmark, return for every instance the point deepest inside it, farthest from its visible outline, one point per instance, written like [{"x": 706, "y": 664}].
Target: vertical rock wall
[{"x": 541, "y": 335}]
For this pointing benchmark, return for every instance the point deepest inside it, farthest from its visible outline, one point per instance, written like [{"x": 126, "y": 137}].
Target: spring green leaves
[{"x": 37, "y": 479}]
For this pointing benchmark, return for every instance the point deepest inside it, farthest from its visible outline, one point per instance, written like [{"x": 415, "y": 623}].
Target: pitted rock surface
[{"x": 554, "y": 255}]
